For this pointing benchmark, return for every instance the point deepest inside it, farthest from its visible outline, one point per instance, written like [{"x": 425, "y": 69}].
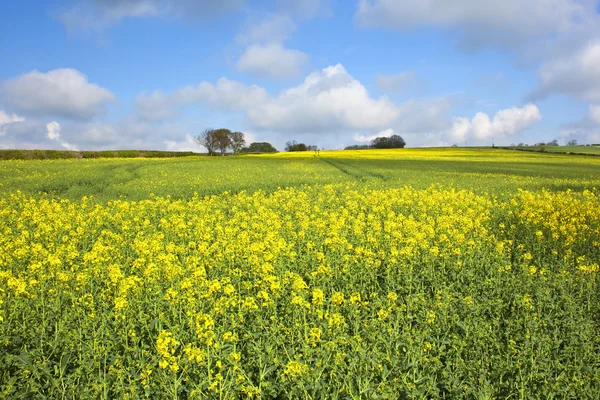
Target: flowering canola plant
[{"x": 314, "y": 291}]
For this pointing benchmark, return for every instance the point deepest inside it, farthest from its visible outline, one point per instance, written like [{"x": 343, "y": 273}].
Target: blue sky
[{"x": 151, "y": 74}]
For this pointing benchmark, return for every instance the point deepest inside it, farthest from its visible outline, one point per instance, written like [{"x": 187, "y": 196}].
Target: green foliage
[
  {"x": 294, "y": 146},
  {"x": 392, "y": 142},
  {"x": 259, "y": 147}
]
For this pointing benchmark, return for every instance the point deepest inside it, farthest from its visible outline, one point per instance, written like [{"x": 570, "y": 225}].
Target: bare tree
[
  {"x": 237, "y": 141},
  {"x": 207, "y": 139}
]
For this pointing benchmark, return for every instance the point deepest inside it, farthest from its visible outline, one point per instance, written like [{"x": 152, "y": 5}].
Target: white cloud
[
  {"x": 272, "y": 61},
  {"x": 53, "y": 129},
  {"x": 189, "y": 144},
  {"x": 576, "y": 74},
  {"x": 61, "y": 92},
  {"x": 6, "y": 119},
  {"x": 274, "y": 28},
  {"x": 53, "y": 133},
  {"x": 226, "y": 94},
  {"x": 395, "y": 82},
  {"x": 9, "y": 118},
  {"x": 328, "y": 102},
  {"x": 594, "y": 113},
  {"x": 425, "y": 115},
  {"x": 505, "y": 123},
  {"x": 368, "y": 138},
  {"x": 95, "y": 15},
  {"x": 483, "y": 22},
  {"x": 123, "y": 134},
  {"x": 154, "y": 107}
]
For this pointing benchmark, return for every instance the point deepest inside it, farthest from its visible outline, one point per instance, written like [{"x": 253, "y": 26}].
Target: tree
[
  {"x": 237, "y": 141},
  {"x": 261, "y": 147},
  {"x": 295, "y": 146},
  {"x": 396, "y": 142},
  {"x": 207, "y": 140},
  {"x": 222, "y": 140},
  {"x": 357, "y": 147},
  {"x": 291, "y": 145},
  {"x": 380, "y": 143},
  {"x": 572, "y": 142},
  {"x": 552, "y": 143},
  {"x": 392, "y": 142}
]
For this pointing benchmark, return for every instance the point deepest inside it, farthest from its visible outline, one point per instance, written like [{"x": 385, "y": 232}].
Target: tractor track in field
[{"x": 354, "y": 171}]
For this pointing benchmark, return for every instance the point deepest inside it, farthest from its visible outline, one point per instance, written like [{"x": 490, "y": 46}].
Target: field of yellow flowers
[{"x": 367, "y": 274}]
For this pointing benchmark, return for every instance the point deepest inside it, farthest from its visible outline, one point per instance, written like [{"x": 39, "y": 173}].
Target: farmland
[
  {"x": 587, "y": 150},
  {"x": 413, "y": 273}
]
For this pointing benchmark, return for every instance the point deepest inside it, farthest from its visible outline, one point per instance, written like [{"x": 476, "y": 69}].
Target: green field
[
  {"x": 482, "y": 170},
  {"x": 590, "y": 150},
  {"x": 379, "y": 274}
]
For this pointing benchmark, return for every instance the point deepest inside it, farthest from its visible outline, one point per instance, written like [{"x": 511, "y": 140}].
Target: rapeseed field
[{"x": 449, "y": 273}]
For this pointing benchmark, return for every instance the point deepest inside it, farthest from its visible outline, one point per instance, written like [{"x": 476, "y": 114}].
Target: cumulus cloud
[
  {"x": 368, "y": 138},
  {"x": 423, "y": 116},
  {"x": 123, "y": 134},
  {"x": 272, "y": 61},
  {"x": 155, "y": 107},
  {"x": 328, "y": 108},
  {"x": 53, "y": 129},
  {"x": 274, "y": 28},
  {"x": 225, "y": 94},
  {"x": 265, "y": 55},
  {"x": 53, "y": 133},
  {"x": 95, "y": 15},
  {"x": 326, "y": 101},
  {"x": 61, "y": 92},
  {"x": 7, "y": 119},
  {"x": 505, "y": 123},
  {"x": 576, "y": 74},
  {"x": 188, "y": 144},
  {"x": 395, "y": 82},
  {"x": 483, "y": 22}
]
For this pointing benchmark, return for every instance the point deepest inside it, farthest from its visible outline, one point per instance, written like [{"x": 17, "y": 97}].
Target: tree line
[
  {"x": 383, "y": 142},
  {"x": 222, "y": 139},
  {"x": 295, "y": 146},
  {"x": 219, "y": 141}
]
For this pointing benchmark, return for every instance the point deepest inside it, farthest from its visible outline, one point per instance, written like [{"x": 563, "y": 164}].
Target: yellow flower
[
  {"x": 336, "y": 320},
  {"x": 431, "y": 317},
  {"x": 318, "y": 297},
  {"x": 337, "y": 298},
  {"x": 166, "y": 345},
  {"x": 427, "y": 347},
  {"x": 295, "y": 369},
  {"x": 299, "y": 284}
]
